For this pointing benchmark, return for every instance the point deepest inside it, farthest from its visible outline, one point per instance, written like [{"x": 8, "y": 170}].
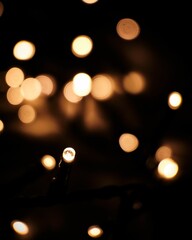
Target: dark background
[{"x": 106, "y": 186}]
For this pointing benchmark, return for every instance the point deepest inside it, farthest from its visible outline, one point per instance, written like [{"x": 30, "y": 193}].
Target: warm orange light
[
  {"x": 31, "y": 88},
  {"x": 134, "y": 82},
  {"x": 82, "y": 84},
  {"x": 26, "y": 114},
  {"x": 102, "y": 87},
  {"x": 48, "y": 162},
  {"x": 167, "y": 168},
  {"x": 128, "y": 142},
  {"x": 1, "y": 126},
  {"x": 82, "y": 46},
  {"x": 48, "y": 84},
  {"x": 69, "y": 93},
  {"x": 89, "y": 1},
  {"x": 95, "y": 231},
  {"x": 24, "y": 50},
  {"x": 20, "y": 227},
  {"x": 163, "y": 152},
  {"x": 14, "y": 96},
  {"x": 14, "y": 77},
  {"x": 174, "y": 100},
  {"x": 128, "y": 29}
]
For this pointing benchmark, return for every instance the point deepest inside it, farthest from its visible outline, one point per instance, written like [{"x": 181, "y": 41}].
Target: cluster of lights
[
  {"x": 28, "y": 91},
  {"x": 23, "y": 229},
  {"x": 167, "y": 166},
  {"x": 49, "y": 162},
  {"x": 24, "y": 91}
]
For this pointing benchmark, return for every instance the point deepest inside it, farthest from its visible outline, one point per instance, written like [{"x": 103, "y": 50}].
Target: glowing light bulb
[
  {"x": 20, "y": 227},
  {"x": 95, "y": 231},
  {"x": 68, "y": 154}
]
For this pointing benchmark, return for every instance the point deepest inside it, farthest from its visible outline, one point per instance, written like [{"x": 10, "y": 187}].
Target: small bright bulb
[
  {"x": 68, "y": 154},
  {"x": 95, "y": 231},
  {"x": 20, "y": 227}
]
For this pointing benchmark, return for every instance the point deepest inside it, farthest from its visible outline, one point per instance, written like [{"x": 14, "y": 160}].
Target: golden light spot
[
  {"x": 82, "y": 46},
  {"x": 1, "y": 126},
  {"x": 20, "y": 227},
  {"x": 24, "y": 50},
  {"x": 167, "y": 168},
  {"x": 174, "y": 100},
  {"x": 82, "y": 84},
  {"x": 31, "y": 88},
  {"x": 48, "y": 84},
  {"x": 26, "y": 113},
  {"x": 14, "y": 96},
  {"x": 102, "y": 87},
  {"x": 69, "y": 93},
  {"x": 14, "y": 77},
  {"x": 163, "y": 152},
  {"x": 134, "y": 82},
  {"x": 128, "y": 142},
  {"x": 95, "y": 231},
  {"x": 48, "y": 162},
  {"x": 89, "y": 1},
  {"x": 128, "y": 29}
]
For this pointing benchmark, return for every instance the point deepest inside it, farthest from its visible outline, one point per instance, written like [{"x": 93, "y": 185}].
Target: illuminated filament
[{"x": 68, "y": 154}]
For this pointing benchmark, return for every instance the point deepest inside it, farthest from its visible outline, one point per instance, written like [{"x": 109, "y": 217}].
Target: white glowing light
[
  {"x": 20, "y": 227},
  {"x": 68, "y": 154},
  {"x": 95, "y": 231}
]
